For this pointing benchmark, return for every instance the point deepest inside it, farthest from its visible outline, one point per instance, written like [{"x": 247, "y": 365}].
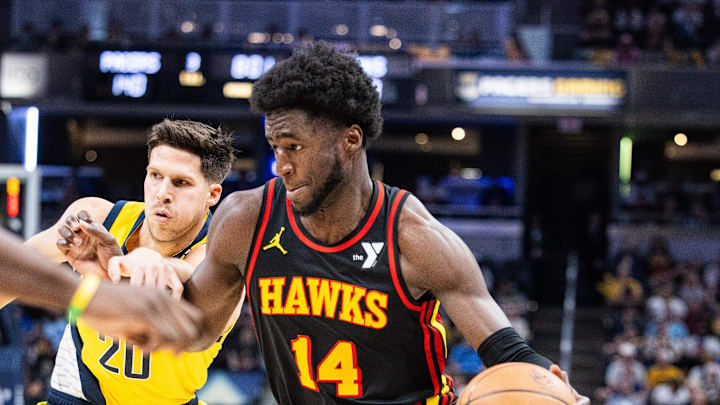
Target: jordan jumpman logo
[{"x": 275, "y": 242}]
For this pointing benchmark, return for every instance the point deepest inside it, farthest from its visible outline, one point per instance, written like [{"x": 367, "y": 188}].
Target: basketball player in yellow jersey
[{"x": 187, "y": 163}]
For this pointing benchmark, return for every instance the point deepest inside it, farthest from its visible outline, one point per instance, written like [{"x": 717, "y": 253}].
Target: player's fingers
[
  {"x": 582, "y": 400},
  {"x": 69, "y": 235},
  {"x": 115, "y": 269},
  {"x": 63, "y": 245},
  {"x": 161, "y": 281},
  {"x": 137, "y": 276},
  {"x": 555, "y": 369},
  {"x": 176, "y": 286},
  {"x": 150, "y": 276},
  {"x": 97, "y": 231},
  {"x": 72, "y": 222}
]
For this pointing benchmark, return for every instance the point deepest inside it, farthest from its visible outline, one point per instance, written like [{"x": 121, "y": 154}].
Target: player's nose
[{"x": 164, "y": 193}]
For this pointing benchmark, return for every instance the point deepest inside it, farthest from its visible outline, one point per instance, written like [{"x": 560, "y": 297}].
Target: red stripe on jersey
[
  {"x": 424, "y": 322},
  {"x": 439, "y": 347},
  {"x": 261, "y": 233},
  {"x": 391, "y": 254},
  {"x": 354, "y": 240}
]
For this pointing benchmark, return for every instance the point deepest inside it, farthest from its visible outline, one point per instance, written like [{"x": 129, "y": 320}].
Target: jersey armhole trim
[
  {"x": 398, "y": 282},
  {"x": 260, "y": 233},
  {"x": 114, "y": 212}
]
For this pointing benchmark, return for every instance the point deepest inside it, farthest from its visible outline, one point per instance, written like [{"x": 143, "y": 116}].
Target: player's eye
[{"x": 295, "y": 147}]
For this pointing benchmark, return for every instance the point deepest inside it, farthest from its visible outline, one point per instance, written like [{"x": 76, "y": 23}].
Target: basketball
[{"x": 516, "y": 384}]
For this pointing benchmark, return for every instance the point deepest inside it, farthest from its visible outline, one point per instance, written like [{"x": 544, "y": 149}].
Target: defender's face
[
  {"x": 307, "y": 155},
  {"x": 176, "y": 193}
]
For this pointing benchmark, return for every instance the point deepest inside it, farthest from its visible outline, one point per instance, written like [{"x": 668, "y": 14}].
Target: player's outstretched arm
[
  {"x": 141, "y": 315},
  {"x": 434, "y": 259},
  {"x": 45, "y": 242},
  {"x": 35, "y": 280},
  {"x": 216, "y": 287}
]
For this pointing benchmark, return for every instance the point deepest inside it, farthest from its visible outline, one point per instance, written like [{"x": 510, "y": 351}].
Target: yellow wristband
[{"x": 80, "y": 300}]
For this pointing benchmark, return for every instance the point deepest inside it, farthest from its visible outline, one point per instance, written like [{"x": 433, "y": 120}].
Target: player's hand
[
  {"x": 579, "y": 399},
  {"x": 86, "y": 244},
  {"x": 144, "y": 317},
  {"x": 146, "y": 267}
]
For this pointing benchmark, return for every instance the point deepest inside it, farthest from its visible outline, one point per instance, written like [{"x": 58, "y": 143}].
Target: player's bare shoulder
[
  {"x": 429, "y": 251},
  {"x": 233, "y": 225},
  {"x": 98, "y": 208}
]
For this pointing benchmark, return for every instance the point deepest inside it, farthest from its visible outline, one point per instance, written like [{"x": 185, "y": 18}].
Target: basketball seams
[
  {"x": 486, "y": 390},
  {"x": 545, "y": 394},
  {"x": 493, "y": 369}
]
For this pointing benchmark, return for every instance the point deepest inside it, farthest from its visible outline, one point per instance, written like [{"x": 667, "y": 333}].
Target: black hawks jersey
[{"x": 336, "y": 323}]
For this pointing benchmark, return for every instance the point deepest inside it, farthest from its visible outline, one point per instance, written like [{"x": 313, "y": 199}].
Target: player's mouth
[
  {"x": 161, "y": 215},
  {"x": 292, "y": 193}
]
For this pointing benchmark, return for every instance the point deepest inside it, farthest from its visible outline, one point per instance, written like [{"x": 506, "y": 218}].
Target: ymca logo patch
[{"x": 372, "y": 251}]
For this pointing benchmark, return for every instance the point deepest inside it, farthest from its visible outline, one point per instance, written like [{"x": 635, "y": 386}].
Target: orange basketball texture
[{"x": 516, "y": 384}]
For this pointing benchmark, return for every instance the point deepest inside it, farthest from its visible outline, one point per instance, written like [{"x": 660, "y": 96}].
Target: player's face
[
  {"x": 177, "y": 195},
  {"x": 308, "y": 158}
]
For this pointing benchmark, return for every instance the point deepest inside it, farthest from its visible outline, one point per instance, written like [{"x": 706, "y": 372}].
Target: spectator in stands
[
  {"x": 672, "y": 393},
  {"x": 626, "y": 394},
  {"x": 704, "y": 382},
  {"x": 691, "y": 291},
  {"x": 659, "y": 263},
  {"x": 664, "y": 306},
  {"x": 623, "y": 289},
  {"x": 664, "y": 371},
  {"x": 625, "y": 369}
]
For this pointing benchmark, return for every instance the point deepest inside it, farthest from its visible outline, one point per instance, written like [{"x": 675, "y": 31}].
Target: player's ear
[
  {"x": 353, "y": 138},
  {"x": 214, "y": 194}
]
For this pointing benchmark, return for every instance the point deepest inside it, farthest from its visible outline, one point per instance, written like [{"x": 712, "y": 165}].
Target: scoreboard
[{"x": 197, "y": 76}]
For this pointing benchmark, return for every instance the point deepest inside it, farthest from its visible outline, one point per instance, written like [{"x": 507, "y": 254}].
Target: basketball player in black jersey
[{"x": 343, "y": 274}]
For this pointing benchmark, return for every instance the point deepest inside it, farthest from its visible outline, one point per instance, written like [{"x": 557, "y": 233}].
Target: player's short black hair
[
  {"x": 212, "y": 145},
  {"x": 323, "y": 82}
]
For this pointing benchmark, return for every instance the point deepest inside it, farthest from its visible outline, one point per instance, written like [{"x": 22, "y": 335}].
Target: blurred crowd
[
  {"x": 652, "y": 31},
  {"x": 663, "y": 331},
  {"x": 666, "y": 202}
]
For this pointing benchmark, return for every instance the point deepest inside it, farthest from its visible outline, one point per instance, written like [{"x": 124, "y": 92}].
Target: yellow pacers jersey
[{"x": 112, "y": 372}]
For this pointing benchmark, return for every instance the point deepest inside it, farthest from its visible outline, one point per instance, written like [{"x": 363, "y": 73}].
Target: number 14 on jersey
[{"x": 339, "y": 366}]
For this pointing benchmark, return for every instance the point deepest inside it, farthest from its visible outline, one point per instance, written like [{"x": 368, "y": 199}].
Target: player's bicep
[
  {"x": 438, "y": 261},
  {"x": 216, "y": 286}
]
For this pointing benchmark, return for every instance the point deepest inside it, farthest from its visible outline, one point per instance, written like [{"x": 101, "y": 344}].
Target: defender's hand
[
  {"x": 579, "y": 399},
  {"x": 146, "y": 267},
  {"x": 144, "y": 317},
  {"x": 86, "y": 244}
]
